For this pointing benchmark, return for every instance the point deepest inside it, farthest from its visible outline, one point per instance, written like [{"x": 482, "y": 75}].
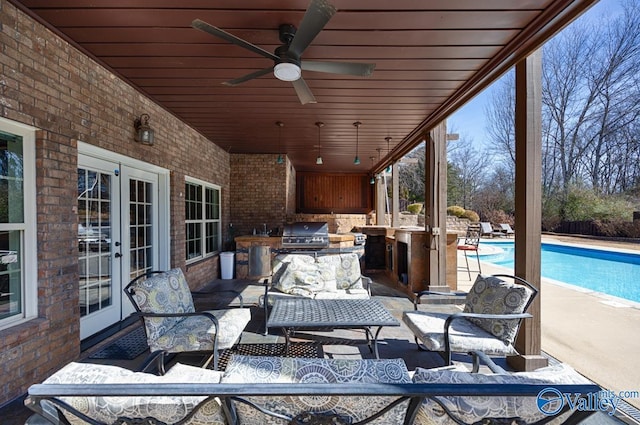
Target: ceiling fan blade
[
  {"x": 303, "y": 91},
  {"x": 348, "y": 68},
  {"x": 203, "y": 26},
  {"x": 314, "y": 20},
  {"x": 248, "y": 77}
]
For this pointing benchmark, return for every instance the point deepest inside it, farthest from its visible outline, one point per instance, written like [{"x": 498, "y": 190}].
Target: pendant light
[
  {"x": 319, "y": 124},
  {"x": 356, "y": 160},
  {"x": 280, "y": 159},
  {"x": 372, "y": 180},
  {"x": 388, "y": 138}
]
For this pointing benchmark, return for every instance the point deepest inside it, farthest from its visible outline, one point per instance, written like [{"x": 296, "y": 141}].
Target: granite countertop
[{"x": 333, "y": 237}]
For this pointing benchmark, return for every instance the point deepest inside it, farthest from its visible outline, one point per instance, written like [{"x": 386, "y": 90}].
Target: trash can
[{"x": 226, "y": 265}]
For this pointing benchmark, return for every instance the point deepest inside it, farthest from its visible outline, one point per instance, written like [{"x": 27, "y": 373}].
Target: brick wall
[
  {"x": 47, "y": 83},
  {"x": 259, "y": 192}
]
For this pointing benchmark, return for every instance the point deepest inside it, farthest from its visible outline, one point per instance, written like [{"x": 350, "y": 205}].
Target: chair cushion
[
  {"x": 490, "y": 295},
  {"x": 302, "y": 275},
  {"x": 243, "y": 369},
  {"x": 474, "y": 409},
  {"x": 196, "y": 333},
  {"x": 464, "y": 336},
  {"x": 166, "y": 292},
  {"x": 165, "y": 409},
  {"x": 347, "y": 269}
]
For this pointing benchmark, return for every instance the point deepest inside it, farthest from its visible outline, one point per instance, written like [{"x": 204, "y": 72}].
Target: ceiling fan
[{"x": 287, "y": 61}]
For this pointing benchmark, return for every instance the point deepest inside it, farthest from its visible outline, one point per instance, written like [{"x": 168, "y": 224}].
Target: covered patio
[
  {"x": 141, "y": 88},
  {"x": 396, "y": 343}
]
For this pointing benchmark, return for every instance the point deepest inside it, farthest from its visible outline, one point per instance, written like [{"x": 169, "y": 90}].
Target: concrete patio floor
[{"x": 582, "y": 329}]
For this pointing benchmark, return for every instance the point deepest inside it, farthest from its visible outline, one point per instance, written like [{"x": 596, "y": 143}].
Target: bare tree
[
  {"x": 591, "y": 102},
  {"x": 472, "y": 165}
]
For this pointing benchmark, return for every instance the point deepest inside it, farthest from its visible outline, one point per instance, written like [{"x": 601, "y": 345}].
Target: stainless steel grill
[{"x": 305, "y": 234}]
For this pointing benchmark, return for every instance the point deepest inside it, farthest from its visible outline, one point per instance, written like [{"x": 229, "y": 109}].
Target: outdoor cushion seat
[
  {"x": 172, "y": 325},
  {"x": 477, "y": 409},
  {"x": 316, "y": 370},
  {"x": 463, "y": 335},
  {"x": 489, "y": 322},
  {"x": 164, "y": 408}
]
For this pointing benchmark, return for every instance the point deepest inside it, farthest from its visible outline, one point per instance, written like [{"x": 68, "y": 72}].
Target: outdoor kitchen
[{"x": 254, "y": 253}]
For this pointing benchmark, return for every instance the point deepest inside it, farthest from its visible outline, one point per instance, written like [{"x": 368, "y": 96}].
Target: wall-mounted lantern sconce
[{"x": 144, "y": 133}]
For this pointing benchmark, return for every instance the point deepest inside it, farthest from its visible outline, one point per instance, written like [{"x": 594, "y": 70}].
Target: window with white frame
[
  {"x": 202, "y": 212},
  {"x": 18, "y": 266}
]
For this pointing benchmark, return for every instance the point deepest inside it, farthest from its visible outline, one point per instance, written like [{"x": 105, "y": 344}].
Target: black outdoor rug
[
  {"x": 127, "y": 347},
  {"x": 296, "y": 349}
]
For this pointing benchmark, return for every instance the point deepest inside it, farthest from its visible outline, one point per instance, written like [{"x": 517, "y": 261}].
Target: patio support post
[
  {"x": 381, "y": 204},
  {"x": 435, "y": 207},
  {"x": 528, "y": 202},
  {"x": 395, "y": 195}
]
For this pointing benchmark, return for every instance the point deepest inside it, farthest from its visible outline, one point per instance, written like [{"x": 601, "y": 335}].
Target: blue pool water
[{"x": 613, "y": 273}]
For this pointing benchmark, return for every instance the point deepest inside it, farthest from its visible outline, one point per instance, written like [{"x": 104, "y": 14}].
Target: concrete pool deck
[{"x": 597, "y": 334}]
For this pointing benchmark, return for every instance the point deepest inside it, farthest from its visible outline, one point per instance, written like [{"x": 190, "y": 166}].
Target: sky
[{"x": 469, "y": 121}]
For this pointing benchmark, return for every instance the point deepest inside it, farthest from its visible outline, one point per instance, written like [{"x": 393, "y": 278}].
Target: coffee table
[{"x": 292, "y": 314}]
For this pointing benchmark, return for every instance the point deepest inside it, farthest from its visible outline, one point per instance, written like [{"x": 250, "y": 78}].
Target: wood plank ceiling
[{"x": 431, "y": 56}]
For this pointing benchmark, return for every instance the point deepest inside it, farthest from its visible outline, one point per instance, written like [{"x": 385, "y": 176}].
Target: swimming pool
[{"x": 613, "y": 273}]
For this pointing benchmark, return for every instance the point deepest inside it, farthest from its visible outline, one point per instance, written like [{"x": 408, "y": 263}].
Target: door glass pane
[
  {"x": 140, "y": 227},
  {"x": 94, "y": 240}
]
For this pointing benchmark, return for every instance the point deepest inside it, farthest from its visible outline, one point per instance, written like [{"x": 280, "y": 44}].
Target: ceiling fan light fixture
[{"x": 286, "y": 71}]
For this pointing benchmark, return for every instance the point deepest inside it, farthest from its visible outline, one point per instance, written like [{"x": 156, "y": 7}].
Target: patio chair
[
  {"x": 486, "y": 229},
  {"x": 470, "y": 244},
  {"x": 506, "y": 229},
  {"x": 164, "y": 301},
  {"x": 489, "y": 322}
]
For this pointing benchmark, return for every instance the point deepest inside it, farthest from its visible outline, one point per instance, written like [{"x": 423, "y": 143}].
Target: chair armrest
[
  {"x": 366, "y": 282},
  {"x": 196, "y": 313},
  {"x": 481, "y": 356},
  {"x": 237, "y": 294},
  {"x": 418, "y": 295},
  {"x": 486, "y": 316}
]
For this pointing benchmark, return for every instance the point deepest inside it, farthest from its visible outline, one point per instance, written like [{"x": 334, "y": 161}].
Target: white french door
[{"x": 118, "y": 237}]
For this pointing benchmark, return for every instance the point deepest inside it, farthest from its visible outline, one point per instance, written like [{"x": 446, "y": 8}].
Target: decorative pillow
[
  {"x": 347, "y": 270},
  {"x": 477, "y": 408},
  {"x": 243, "y": 369},
  {"x": 163, "y": 293},
  {"x": 490, "y": 295},
  {"x": 164, "y": 408}
]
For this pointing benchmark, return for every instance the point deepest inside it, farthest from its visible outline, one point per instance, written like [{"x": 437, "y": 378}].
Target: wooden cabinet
[
  {"x": 333, "y": 193},
  {"x": 410, "y": 264}
]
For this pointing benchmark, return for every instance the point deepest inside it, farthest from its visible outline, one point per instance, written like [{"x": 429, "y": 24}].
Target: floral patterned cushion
[
  {"x": 347, "y": 270},
  {"x": 166, "y": 292},
  {"x": 196, "y": 333},
  {"x": 302, "y": 275},
  {"x": 464, "y": 336},
  {"x": 490, "y": 295},
  {"x": 243, "y": 369},
  {"x": 474, "y": 409},
  {"x": 169, "y": 292},
  {"x": 163, "y": 408}
]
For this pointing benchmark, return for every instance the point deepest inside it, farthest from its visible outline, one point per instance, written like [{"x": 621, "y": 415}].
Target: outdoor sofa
[
  {"x": 283, "y": 390},
  {"x": 332, "y": 276}
]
